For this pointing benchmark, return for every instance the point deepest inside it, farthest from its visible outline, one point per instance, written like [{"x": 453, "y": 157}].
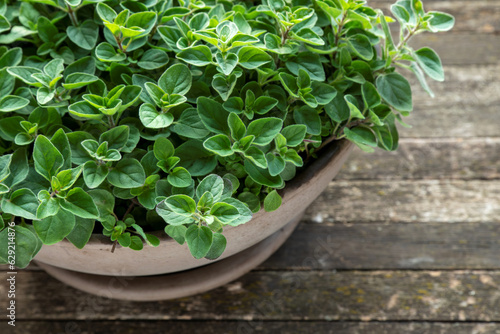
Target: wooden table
[{"x": 405, "y": 242}]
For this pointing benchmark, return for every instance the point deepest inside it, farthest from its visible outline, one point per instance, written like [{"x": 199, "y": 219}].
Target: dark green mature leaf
[
  {"x": 81, "y": 233},
  {"x": 309, "y": 62},
  {"x": 264, "y": 130},
  {"x": 153, "y": 59},
  {"x": 396, "y": 90},
  {"x": 199, "y": 240},
  {"x": 117, "y": 137},
  {"x": 85, "y": 35},
  {"x": 294, "y": 134},
  {"x": 213, "y": 115},
  {"x": 179, "y": 177},
  {"x": 309, "y": 117},
  {"x": 11, "y": 103},
  {"x": 219, "y": 144},
  {"x": 262, "y": 176},
  {"x": 18, "y": 168},
  {"x": 26, "y": 243},
  {"x": 128, "y": 173},
  {"x": 177, "y": 233},
  {"x": 79, "y": 203},
  {"x": 176, "y": 80},
  {"x": 218, "y": 247},
  {"x": 251, "y": 57},
  {"x": 199, "y": 55},
  {"x": 53, "y": 229},
  {"x": 22, "y": 203},
  {"x": 48, "y": 160}
]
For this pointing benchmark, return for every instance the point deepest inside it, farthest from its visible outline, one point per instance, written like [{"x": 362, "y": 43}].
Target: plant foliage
[{"x": 186, "y": 115}]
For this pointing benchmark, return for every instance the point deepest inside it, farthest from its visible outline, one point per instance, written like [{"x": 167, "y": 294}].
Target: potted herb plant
[{"x": 137, "y": 125}]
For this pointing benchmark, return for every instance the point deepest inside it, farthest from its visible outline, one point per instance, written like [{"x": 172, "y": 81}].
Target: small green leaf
[
  {"x": 262, "y": 176},
  {"x": 309, "y": 117},
  {"x": 226, "y": 63},
  {"x": 117, "y": 137},
  {"x": 153, "y": 119},
  {"x": 294, "y": 134},
  {"x": 440, "y": 21},
  {"x": 26, "y": 246},
  {"x": 94, "y": 174},
  {"x": 275, "y": 164}
]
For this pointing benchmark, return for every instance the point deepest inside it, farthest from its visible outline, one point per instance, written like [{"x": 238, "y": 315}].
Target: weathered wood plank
[
  {"x": 456, "y": 119},
  {"x": 312, "y": 296},
  {"x": 387, "y": 246},
  {"x": 478, "y": 16},
  {"x": 445, "y": 201},
  {"x": 435, "y": 158},
  {"x": 477, "y": 85},
  {"x": 466, "y": 104},
  {"x": 393, "y": 246},
  {"x": 246, "y": 327},
  {"x": 462, "y": 48}
]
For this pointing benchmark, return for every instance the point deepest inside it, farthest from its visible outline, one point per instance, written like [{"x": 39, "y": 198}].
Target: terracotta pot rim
[{"x": 303, "y": 177}]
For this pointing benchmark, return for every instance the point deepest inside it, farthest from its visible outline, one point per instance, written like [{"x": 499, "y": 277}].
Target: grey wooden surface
[{"x": 402, "y": 242}]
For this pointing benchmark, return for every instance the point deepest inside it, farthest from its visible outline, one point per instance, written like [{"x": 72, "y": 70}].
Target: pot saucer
[{"x": 175, "y": 285}]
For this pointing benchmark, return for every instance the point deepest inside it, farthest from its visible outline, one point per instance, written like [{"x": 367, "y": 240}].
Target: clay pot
[{"x": 127, "y": 274}]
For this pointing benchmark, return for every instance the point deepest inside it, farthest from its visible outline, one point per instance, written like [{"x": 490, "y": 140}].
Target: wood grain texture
[
  {"x": 476, "y": 16},
  {"x": 461, "y": 48},
  {"x": 415, "y": 159},
  {"x": 389, "y": 246},
  {"x": 246, "y": 327},
  {"x": 427, "y": 201},
  {"x": 307, "y": 295}
]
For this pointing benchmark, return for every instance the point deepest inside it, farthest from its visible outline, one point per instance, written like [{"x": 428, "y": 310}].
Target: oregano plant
[{"x": 128, "y": 117}]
